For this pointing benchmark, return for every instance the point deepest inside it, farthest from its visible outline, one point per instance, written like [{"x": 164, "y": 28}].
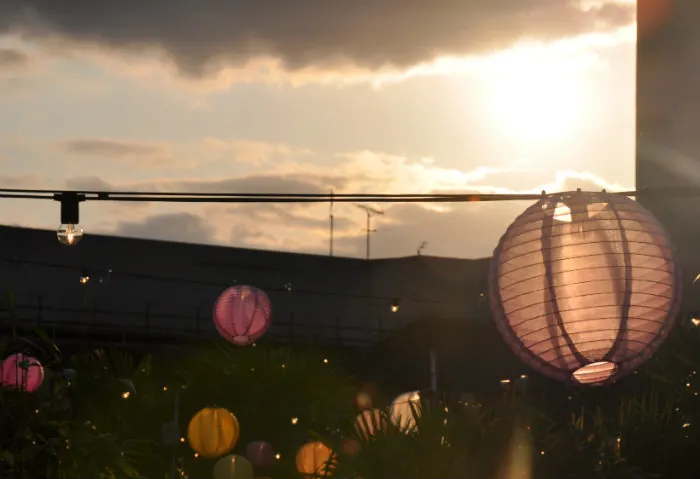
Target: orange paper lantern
[
  {"x": 312, "y": 459},
  {"x": 213, "y": 432}
]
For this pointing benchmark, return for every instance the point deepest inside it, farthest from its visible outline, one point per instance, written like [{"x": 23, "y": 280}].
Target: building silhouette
[
  {"x": 668, "y": 126},
  {"x": 135, "y": 292}
]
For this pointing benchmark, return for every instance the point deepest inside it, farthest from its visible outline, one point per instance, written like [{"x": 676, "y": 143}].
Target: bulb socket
[{"x": 70, "y": 207}]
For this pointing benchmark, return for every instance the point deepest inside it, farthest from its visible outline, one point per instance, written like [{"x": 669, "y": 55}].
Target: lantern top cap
[{"x": 580, "y": 196}]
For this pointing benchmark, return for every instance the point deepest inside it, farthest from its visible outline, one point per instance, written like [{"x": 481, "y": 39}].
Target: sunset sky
[{"x": 280, "y": 96}]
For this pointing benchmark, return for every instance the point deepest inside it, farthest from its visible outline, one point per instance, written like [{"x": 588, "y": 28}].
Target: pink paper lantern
[
  {"x": 242, "y": 314},
  {"x": 584, "y": 286},
  {"x": 260, "y": 453},
  {"x": 22, "y": 372}
]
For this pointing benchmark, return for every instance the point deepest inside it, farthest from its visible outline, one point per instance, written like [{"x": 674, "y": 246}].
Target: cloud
[
  {"x": 466, "y": 230},
  {"x": 88, "y": 183},
  {"x": 254, "y": 183},
  {"x": 17, "y": 69},
  {"x": 462, "y": 230},
  {"x": 138, "y": 153},
  {"x": 357, "y": 172},
  {"x": 205, "y": 36},
  {"x": 183, "y": 227},
  {"x": 144, "y": 68},
  {"x": 26, "y": 181},
  {"x": 11, "y": 58},
  {"x": 252, "y": 152},
  {"x": 208, "y": 153}
]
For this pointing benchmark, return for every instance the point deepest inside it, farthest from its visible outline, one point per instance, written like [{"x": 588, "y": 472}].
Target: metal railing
[{"x": 152, "y": 325}]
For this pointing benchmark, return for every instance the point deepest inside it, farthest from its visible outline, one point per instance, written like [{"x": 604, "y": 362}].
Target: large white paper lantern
[
  {"x": 404, "y": 410},
  {"x": 584, "y": 286}
]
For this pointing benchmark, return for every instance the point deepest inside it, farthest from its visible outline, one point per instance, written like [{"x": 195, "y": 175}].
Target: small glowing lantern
[
  {"x": 22, "y": 372},
  {"x": 213, "y": 432},
  {"x": 405, "y": 409},
  {"x": 369, "y": 422},
  {"x": 313, "y": 459},
  {"x": 242, "y": 314},
  {"x": 584, "y": 286},
  {"x": 260, "y": 453},
  {"x": 233, "y": 467}
]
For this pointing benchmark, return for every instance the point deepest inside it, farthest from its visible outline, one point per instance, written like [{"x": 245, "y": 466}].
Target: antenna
[
  {"x": 331, "y": 224},
  {"x": 421, "y": 247},
  {"x": 370, "y": 211}
]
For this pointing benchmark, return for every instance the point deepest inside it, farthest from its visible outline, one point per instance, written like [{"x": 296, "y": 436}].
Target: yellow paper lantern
[
  {"x": 402, "y": 410},
  {"x": 312, "y": 459},
  {"x": 213, "y": 432}
]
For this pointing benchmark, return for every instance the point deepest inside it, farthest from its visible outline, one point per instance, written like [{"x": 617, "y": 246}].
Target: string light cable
[
  {"x": 70, "y": 233},
  {"x": 185, "y": 197}
]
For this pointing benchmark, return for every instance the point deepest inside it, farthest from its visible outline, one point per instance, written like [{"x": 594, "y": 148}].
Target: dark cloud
[
  {"x": 114, "y": 149},
  {"x": 468, "y": 231},
  {"x": 20, "y": 181},
  {"x": 10, "y": 59},
  {"x": 252, "y": 238},
  {"x": 267, "y": 184},
  {"x": 288, "y": 215},
  {"x": 90, "y": 183},
  {"x": 204, "y": 34},
  {"x": 184, "y": 227}
]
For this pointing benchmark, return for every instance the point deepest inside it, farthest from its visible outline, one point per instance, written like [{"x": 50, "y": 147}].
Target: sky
[{"x": 279, "y": 96}]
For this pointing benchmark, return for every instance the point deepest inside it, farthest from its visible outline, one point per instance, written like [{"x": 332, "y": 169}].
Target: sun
[{"x": 536, "y": 101}]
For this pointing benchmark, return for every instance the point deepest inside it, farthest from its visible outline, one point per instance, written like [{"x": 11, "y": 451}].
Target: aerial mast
[
  {"x": 332, "y": 224},
  {"x": 370, "y": 211}
]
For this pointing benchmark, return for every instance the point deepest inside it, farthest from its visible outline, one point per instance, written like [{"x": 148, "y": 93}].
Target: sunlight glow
[{"x": 535, "y": 99}]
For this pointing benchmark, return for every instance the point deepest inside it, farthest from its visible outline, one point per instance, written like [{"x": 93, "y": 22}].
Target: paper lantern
[
  {"x": 369, "y": 422},
  {"x": 260, "y": 453},
  {"x": 22, "y": 372},
  {"x": 213, "y": 432},
  {"x": 584, "y": 286},
  {"x": 233, "y": 467},
  {"x": 312, "y": 459},
  {"x": 242, "y": 314},
  {"x": 404, "y": 409}
]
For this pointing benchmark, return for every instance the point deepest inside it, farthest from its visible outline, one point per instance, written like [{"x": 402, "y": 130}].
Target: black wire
[
  {"x": 26, "y": 196},
  {"x": 243, "y": 195},
  {"x": 302, "y": 199},
  {"x": 278, "y": 199},
  {"x": 133, "y": 196}
]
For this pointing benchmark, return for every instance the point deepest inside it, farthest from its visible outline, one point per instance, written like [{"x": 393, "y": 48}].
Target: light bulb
[
  {"x": 69, "y": 234},
  {"x": 395, "y": 306}
]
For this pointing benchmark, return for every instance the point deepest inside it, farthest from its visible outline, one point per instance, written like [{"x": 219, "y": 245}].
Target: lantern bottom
[
  {"x": 595, "y": 373},
  {"x": 241, "y": 340}
]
